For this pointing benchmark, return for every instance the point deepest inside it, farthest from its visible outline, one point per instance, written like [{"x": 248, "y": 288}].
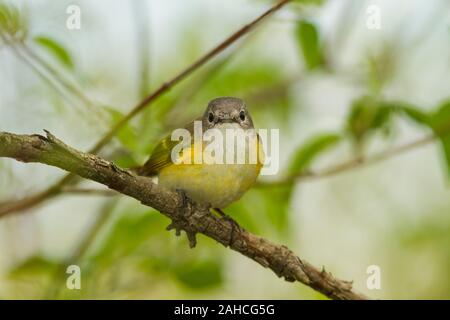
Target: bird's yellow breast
[{"x": 215, "y": 184}]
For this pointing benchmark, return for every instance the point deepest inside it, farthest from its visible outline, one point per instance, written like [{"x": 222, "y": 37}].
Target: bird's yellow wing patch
[{"x": 161, "y": 155}]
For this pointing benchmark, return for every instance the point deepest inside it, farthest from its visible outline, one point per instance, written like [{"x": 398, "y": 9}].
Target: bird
[{"x": 216, "y": 184}]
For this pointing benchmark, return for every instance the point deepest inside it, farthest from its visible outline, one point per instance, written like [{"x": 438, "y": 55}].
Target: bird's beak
[{"x": 226, "y": 120}]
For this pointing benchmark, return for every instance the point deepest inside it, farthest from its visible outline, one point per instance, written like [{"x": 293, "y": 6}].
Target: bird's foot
[
  {"x": 181, "y": 222},
  {"x": 235, "y": 227}
]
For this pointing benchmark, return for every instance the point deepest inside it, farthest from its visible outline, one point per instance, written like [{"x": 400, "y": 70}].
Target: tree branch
[
  {"x": 186, "y": 215},
  {"x": 351, "y": 164},
  {"x": 31, "y": 201}
]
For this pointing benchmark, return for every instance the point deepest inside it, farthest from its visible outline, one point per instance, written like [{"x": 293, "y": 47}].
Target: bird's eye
[
  {"x": 242, "y": 115},
  {"x": 211, "y": 117}
]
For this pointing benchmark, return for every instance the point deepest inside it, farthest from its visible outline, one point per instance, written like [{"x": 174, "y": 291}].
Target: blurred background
[{"x": 340, "y": 79}]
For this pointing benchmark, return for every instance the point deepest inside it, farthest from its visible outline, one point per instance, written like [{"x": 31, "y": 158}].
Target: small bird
[{"x": 213, "y": 184}]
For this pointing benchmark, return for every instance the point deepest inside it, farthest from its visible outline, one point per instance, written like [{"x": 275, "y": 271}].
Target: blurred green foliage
[
  {"x": 367, "y": 115},
  {"x": 12, "y": 22},
  {"x": 307, "y": 153},
  {"x": 440, "y": 123},
  {"x": 127, "y": 136},
  {"x": 133, "y": 252},
  {"x": 137, "y": 237},
  {"x": 381, "y": 68},
  {"x": 309, "y": 43},
  {"x": 264, "y": 211},
  {"x": 56, "y": 49}
]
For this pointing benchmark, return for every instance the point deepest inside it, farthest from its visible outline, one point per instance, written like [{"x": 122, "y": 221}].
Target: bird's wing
[{"x": 161, "y": 155}]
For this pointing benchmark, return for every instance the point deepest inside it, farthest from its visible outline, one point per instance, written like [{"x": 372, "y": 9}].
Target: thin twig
[
  {"x": 65, "y": 83},
  {"x": 35, "y": 69},
  {"x": 51, "y": 76},
  {"x": 142, "y": 26},
  {"x": 194, "y": 87},
  {"x": 350, "y": 165},
  {"x": 89, "y": 191},
  {"x": 56, "y": 74},
  {"x": 185, "y": 73}
]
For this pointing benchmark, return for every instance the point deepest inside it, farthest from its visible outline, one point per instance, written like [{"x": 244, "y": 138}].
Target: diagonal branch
[
  {"x": 351, "y": 164},
  {"x": 440, "y": 131},
  {"x": 186, "y": 215},
  {"x": 34, "y": 200}
]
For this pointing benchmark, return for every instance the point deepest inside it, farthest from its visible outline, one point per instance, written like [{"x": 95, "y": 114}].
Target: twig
[
  {"x": 27, "y": 203},
  {"x": 50, "y": 76},
  {"x": 142, "y": 22},
  {"x": 64, "y": 82},
  {"x": 185, "y": 73},
  {"x": 349, "y": 165},
  {"x": 186, "y": 215},
  {"x": 89, "y": 191},
  {"x": 34, "y": 68},
  {"x": 52, "y": 71},
  {"x": 195, "y": 85}
]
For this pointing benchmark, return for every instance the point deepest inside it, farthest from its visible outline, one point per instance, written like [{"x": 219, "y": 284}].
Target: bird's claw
[
  {"x": 179, "y": 223},
  {"x": 234, "y": 225}
]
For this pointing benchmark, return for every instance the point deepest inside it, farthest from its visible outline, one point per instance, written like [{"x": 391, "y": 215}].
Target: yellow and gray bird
[{"x": 213, "y": 184}]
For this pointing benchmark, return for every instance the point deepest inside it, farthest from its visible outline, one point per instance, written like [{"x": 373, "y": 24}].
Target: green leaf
[
  {"x": 12, "y": 22},
  {"x": 306, "y": 154},
  {"x": 440, "y": 123},
  {"x": 126, "y": 160},
  {"x": 33, "y": 266},
  {"x": 264, "y": 210},
  {"x": 410, "y": 111},
  {"x": 55, "y": 49},
  {"x": 127, "y": 235},
  {"x": 440, "y": 119},
  {"x": 202, "y": 274},
  {"x": 416, "y": 115},
  {"x": 127, "y": 134},
  {"x": 381, "y": 67},
  {"x": 31, "y": 278},
  {"x": 308, "y": 41},
  {"x": 367, "y": 115}
]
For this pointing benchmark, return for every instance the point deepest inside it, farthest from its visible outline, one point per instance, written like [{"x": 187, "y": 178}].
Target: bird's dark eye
[
  {"x": 242, "y": 115},
  {"x": 210, "y": 117}
]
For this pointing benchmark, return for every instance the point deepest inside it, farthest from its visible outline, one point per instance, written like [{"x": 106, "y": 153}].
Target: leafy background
[{"x": 336, "y": 90}]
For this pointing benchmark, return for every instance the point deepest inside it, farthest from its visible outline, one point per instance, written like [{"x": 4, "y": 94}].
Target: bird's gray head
[{"x": 226, "y": 110}]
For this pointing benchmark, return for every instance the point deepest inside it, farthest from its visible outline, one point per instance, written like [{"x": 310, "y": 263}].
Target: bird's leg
[
  {"x": 184, "y": 200},
  {"x": 234, "y": 225},
  {"x": 179, "y": 223}
]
